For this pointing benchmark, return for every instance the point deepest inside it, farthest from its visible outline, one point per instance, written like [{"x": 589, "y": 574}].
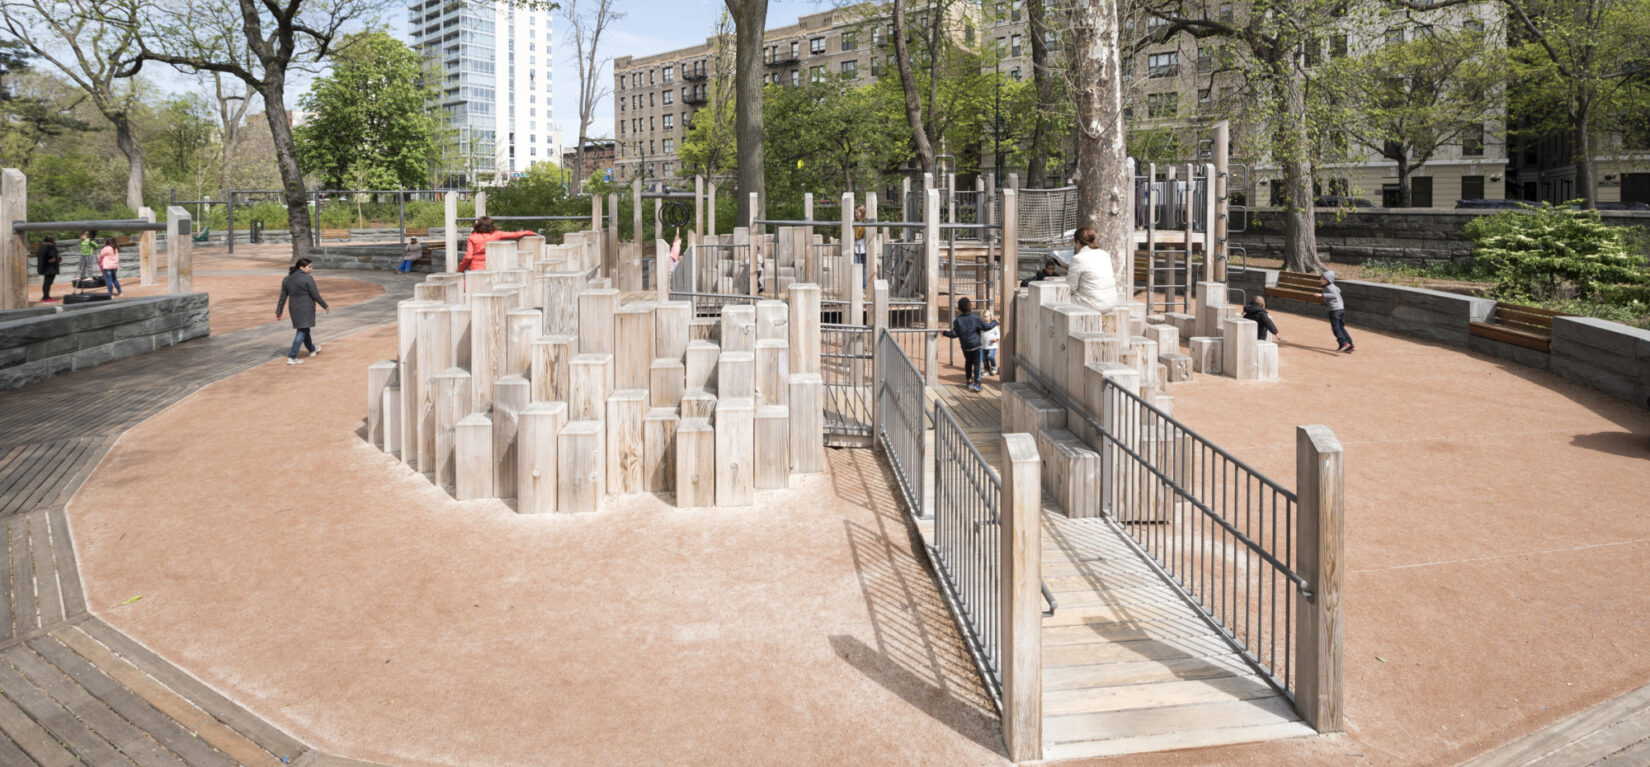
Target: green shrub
[{"x": 1547, "y": 252}]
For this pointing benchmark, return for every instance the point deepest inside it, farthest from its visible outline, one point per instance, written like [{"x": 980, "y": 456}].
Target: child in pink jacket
[{"x": 108, "y": 259}]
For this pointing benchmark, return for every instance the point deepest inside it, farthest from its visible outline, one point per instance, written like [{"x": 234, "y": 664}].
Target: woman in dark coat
[
  {"x": 47, "y": 264},
  {"x": 299, "y": 287}
]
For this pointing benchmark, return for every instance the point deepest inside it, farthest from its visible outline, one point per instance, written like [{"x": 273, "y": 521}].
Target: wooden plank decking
[{"x": 1128, "y": 666}]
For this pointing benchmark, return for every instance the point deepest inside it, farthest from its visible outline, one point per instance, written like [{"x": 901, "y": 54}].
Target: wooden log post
[
  {"x": 549, "y": 368},
  {"x": 148, "y": 274},
  {"x": 380, "y": 375},
  {"x": 738, "y": 328},
  {"x": 180, "y": 251},
  {"x": 608, "y": 255},
  {"x": 434, "y": 358},
  {"x": 1320, "y": 541},
  {"x": 736, "y": 375},
  {"x": 754, "y": 248},
  {"x": 392, "y": 419},
  {"x": 773, "y": 450},
  {"x": 590, "y": 383},
  {"x": 522, "y": 328},
  {"x": 487, "y": 345},
  {"x": 804, "y": 328},
  {"x": 596, "y": 310},
  {"x": 449, "y": 231},
  {"x": 773, "y": 372},
  {"x": 452, "y": 403},
  {"x": 511, "y": 395},
  {"x": 701, "y": 363},
  {"x": 626, "y": 467},
  {"x": 1011, "y": 282},
  {"x": 537, "y": 432},
  {"x": 695, "y": 463},
  {"x": 666, "y": 381},
  {"x": 633, "y": 346},
  {"x": 561, "y": 303},
  {"x": 14, "y": 248},
  {"x": 710, "y": 215},
  {"x": 581, "y": 476},
  {"x": 773, "y": 321},
  {"x": 1021, "y": 599},
  {"x": 807, "y": 412},
  {"x": 659, "y": 449},
  {"x": 873, "y": 240},
  {"x": 529, "y": 250},
  {"x": 407, "y": 373},
  {"x": 501, "y": 255},
  {"x": 735, "y": 451},
  {"x": 698, "y": 403},
  {"x": 671, "y": 322},
  {"x": 473, "y": 458},
  {"x": 845, "y": 251}
]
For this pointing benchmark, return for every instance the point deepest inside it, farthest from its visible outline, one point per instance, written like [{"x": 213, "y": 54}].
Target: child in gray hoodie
[{"x": 1337, "y": 311}]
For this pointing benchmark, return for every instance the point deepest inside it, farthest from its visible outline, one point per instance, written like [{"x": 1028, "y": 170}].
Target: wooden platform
[{"x": 1128, "y": 666}]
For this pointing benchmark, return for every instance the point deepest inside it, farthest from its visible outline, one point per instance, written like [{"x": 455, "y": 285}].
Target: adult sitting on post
[
  {"x": 1093, "y": 283},
  {"x": 475, "y": 248}
]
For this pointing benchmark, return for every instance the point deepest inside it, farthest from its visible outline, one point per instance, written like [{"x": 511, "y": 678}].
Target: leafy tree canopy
[{"x": 370, "y": 124}]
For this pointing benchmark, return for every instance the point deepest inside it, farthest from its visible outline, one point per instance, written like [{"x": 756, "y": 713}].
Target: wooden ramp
[{"x": 1128, "y": 666}]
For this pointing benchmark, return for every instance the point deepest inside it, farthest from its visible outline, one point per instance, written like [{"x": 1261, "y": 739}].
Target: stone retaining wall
[
  {"x": 1405, "y": 235},
  {"x": 72, "y": 338},
  {"x": 1605, "y": 356},
  {"x": 385, "y": 258}
]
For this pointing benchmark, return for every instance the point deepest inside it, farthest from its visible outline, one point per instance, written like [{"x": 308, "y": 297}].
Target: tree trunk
[
  {"x": 1037, "y": 165},
  {"x": 750, "y": 17},
  {"x": 126, "y": 139},
  {"x": 1585, "y": 185},
  {"x": 1292, "y": 147},
  {"x": 1404, "y": 170},
  {"x": 286, "y": 158},
  {"x": 908, "y": 85},
  {"x": 578, "y": 166},
  {"x": 1103, "y": 183}
]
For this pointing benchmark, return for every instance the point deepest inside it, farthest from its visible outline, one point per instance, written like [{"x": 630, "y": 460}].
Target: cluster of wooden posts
[
  {"x": 533, "y": 381},
  {"x": 1076, "y": 350}
]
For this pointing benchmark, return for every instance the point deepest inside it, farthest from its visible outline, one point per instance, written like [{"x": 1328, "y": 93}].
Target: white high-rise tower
[{"x": 495, "y": 60}]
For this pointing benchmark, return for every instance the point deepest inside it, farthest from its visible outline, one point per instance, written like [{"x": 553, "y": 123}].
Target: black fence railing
[
  {"x": 1221, "y": 532},
  {"x": 902, "y": 419},
  {"x": 967, "y": 550}
]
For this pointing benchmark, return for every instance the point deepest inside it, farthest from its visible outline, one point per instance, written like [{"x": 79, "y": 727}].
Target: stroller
[{"x": 88, "y": 278}]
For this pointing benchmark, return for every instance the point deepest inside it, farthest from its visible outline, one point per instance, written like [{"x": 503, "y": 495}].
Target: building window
[
  {"x": 1128, "y": 67},
  {"x": 1472, "y": 140},
  {"x": 816, "y": 46},
  {"x": 850, "y": 67},
  {"x": 1226, "y": 15},
  {"x": 1394, "y": 35},
  {"x": 816, "y": 74},
  {"x": 1157, "y": 28},
  {"x": 668, "y": 97},
  {"x": 968, "y": 33},
  {"x": 1128, "y": 108},
  {"x": 767, "y": 55},
  {"x": 652, "y": 123},
  {"x": 1163, "y": 64},
  {"x": 1015, "y": 10},
  {"x": 1337, "y": 46},
  {"x": 850, "y": 40},
  {"x": 1162, "y": 105},
  {"x": 1472, "y": 187},
  {"x": 1205, "y": 60},
  {"x": 1014, "y": 45},
  {"x": 650, "y": 77},
  {"x": 1203, "y": 98},
  {"x": 650, "y": 149},
  {"x": 670, "y": 121},
  {"x": 796, "y": 47},
  {"x": 796, "y": 77},
  {"x": 670, "y": 74},
  {"x": 670, "y": 146},
  {"x": 1015, "y": 73}
]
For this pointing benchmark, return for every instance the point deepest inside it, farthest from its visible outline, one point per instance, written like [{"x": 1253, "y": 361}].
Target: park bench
[
  {"x": 1297, "y": 286},
  {"x": 125, "y": 241},
  {"x": 334, "y": 234},
  {"x": 1528, "y": 326},
  {"x": 418, "y": 231}
]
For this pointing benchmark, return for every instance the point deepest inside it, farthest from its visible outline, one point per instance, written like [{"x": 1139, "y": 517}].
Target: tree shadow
[
  {"x": 1622, "y": 443},
  {"x": 917, "y": 652}
]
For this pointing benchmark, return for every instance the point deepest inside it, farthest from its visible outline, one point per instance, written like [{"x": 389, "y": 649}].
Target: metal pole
[
  {"x": 401, "y": 215},
  {"x": 1217, "y": 261}
]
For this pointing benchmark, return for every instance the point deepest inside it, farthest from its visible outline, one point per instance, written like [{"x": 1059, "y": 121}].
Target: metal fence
[
  {"x": 721, "y": 269},
  {"x": 902, "y": 418},
  {"x": 710, "y": 304},
  {"x": 967, "y": 550},
  {"x": 845, "y": 361},
  {"x": 1223, "y": 531}
]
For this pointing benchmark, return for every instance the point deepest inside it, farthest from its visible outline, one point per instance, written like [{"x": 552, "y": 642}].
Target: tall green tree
[
  {"x": 827, "y": 135},
  {"x": 1407, "y": 100},
  {"x": 370, "y": 123}
]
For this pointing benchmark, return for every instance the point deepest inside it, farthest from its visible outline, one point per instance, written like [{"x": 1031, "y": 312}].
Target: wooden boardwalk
[
  {"x": 74, "y": 690},
  {"x": 1128, "y": 666}
]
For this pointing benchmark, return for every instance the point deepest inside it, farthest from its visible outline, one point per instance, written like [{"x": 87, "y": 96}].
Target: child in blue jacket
[{"x": 966, "y": 327}]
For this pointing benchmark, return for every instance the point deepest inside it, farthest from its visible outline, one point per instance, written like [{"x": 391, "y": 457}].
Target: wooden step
[
  {"x": 1182, "y": 721},
  {"x": 1176, "y": 740},
  {"x": 1178, "y": 692}
]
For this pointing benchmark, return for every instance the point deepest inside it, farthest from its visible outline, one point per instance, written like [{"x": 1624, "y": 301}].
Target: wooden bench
[
  {"x": 419, "y": 231},
  {"x": 1297, "y": 286},
  {"x": 125, "y": 241},
  {"x": 334, "y": 234},
  {"x": 1528, "y": 326}
]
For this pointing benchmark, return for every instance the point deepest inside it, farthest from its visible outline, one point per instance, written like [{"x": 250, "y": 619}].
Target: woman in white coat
[{"x": 1093, "y": 281}]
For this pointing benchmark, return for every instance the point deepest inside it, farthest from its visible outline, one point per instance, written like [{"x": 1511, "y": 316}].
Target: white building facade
[{"x": 495, "y": 61}]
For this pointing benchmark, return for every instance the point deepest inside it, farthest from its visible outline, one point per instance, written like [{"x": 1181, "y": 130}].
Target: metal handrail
[{"x": 1072, "y": 407}]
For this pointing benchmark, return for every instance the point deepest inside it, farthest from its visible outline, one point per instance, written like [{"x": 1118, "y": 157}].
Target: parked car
[
  {"x": 1490, "y": 204},
  {"x": 1623, "y": 206}
]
